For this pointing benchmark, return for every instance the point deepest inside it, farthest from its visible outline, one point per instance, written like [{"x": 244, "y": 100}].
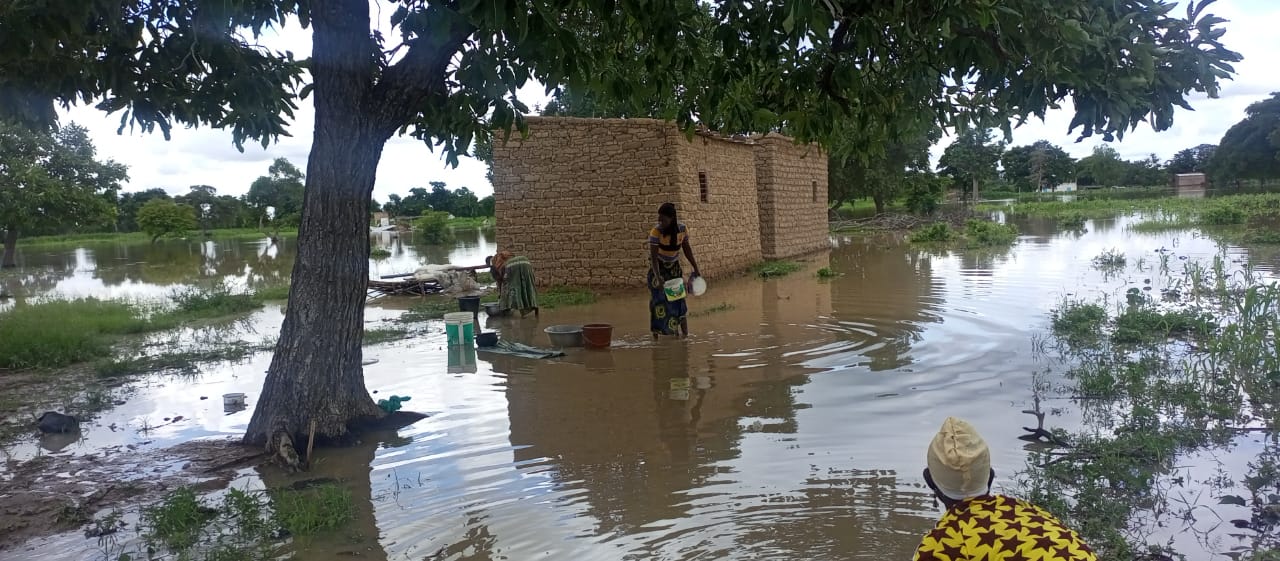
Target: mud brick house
[{"x": 578, "y": 196}]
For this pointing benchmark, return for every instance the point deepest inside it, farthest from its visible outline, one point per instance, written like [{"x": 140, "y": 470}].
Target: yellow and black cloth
[{"x": 1000, "y": 528}]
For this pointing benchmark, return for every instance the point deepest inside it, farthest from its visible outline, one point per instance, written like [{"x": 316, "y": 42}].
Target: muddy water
[{"x": 792, "y": 424}]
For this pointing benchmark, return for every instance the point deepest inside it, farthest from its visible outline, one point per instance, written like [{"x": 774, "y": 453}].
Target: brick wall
[
  {"x": 578, "y": 197},
  {"x": 792, "y": 182},
  {"x": 725, "y": 230}
]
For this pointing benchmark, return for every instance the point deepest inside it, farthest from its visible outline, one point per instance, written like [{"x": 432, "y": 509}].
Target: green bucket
[{"x": 460, "y": 329}]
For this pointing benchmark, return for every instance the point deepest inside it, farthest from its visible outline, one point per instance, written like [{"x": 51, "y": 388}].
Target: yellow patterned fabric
[{"x": 1000, "y": 528}]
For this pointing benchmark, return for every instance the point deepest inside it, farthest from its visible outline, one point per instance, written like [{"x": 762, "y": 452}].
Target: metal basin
[{"x": 564, "y": 335}]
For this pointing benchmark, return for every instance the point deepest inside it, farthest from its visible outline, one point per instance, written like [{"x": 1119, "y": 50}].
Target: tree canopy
[
  {"x": 1191, "y": 160},
  {"x": 280, "y": 190},
  {"x": 1040, "y": 164},
  {"x": 971, "y": 160},
  {"x": 163, "y": 217},
  {"x": 1250, "y": 149},
  {"x": 51, "y": 182}
]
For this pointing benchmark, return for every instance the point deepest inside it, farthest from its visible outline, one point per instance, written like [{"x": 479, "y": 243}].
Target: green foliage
[
  {"x": 924, "y": 192},
  {"x": 1144, "y": 323},
  {"x": 900, "y": 167},
  {"x": 178, "y": 521},
  {"x": 1171, "y": 208},
  {"x": 1192, "y": 160},
  {"x": 1251, "y": 148},
  {"x": 280, "y": 190},
  {"x": 53, "y": 183},
  {"x": 986, "y": 233},
  {"x": 381, "y": 335},
  {"x": 1222, "y": 215},
  {"x": 62, "y": 332},
  {"x": 566, "y": 296},
  {"x": 1072, "y": 221},
  {"x": 1110, "y": 259},
  {"x": 379, "y": 253},
  {"x": 429, "y": 308},
  {"x": 313, "y": 510},
  {"x": 213, "y": 302},
  {"x": 827, "y": 273},
  {"x": 163, "y": 217},
  {"x": 1079, "y": 321},
  {"x": 1038, "y": 165},
  {"x": 432, "y": 228},
  {"x": 1103, "y": 167},
  {"x": 775, "y": 269},
  {"x": 971, "y": 160},
  {"x": 215, "y": 212},
  {"x": 937, "y": 232},
  {"x": 461, "y": 202}
]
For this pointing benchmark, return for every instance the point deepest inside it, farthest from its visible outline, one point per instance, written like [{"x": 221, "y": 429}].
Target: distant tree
[
  {"x": 417, "y": 202},
  {"x": 971, "y": 160},
  {"x": 464, "y": 203},
  {"x": 1147, "y": 172},
  {"x": 394, "y": 206},
  {"x": 128, "y": 204},
  {"x": 281, "y": 189},
  {"x": 1103, "y": 167},
  {"x": 1251, "y": 148},
  {"x": 374, "y": 206},
  {"x": 1192, "y": 160},
  {"x": 486, "y": 206},
  {"x": 432, "y": 227},
  {"x": 163, "y": 217},
  {"x": 881, "y": 175},
  {"x": 53, "y": 183},
  {"x": 1037, "y": 165}
]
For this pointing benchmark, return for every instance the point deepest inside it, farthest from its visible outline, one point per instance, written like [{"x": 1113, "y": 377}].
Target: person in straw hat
[{"x": 979, "y": 525}]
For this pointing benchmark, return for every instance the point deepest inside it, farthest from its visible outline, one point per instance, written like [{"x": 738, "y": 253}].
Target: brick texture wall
[
  {"x": 725, "y": 229},
  {"x": 578, "y": 197},
  {"x": 792, "y": 182}
]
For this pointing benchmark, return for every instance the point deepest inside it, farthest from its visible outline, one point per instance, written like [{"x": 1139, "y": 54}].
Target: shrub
[
  {"x": 432, "y": 227},
  {"x": 1222, "y": 215},
  {"x": 63, "y": 332},
  {"x": 936, "y": 232},
  {"x": 986, "y": 233}
]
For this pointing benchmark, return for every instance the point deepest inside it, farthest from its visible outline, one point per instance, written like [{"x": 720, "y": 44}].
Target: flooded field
[{"x": 791, "y": 425}]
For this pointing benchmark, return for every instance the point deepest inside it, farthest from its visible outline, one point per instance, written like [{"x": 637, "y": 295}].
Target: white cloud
[{"x": 207, "y": 156}]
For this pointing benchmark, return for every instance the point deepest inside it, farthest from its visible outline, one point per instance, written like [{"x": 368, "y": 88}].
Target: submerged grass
[
  {"x": 73, "y": 240},
  {"x": 63, "y": 332},
  {"x": 1158, "y": 381},
  {"x": 718, "y": 308},
  {"x": 213, "y": 302},
  {"x": 775, "y": 269},
  {"x": 381, "y": 335},
  {"x": 1230, "y": 209},
  {"x": 976, "y": 234},
  {"x": 272, "y": 292}
]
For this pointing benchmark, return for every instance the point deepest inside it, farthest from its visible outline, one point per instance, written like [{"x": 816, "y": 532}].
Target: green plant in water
[
  {"x": 718, "y": 308},
  {"x": 937, "y": 232},
  {"x": 1078, "y": 321},
  {"x": 274, "y": 291},
  {"x": 178, "y": 521},
  {"x": 774, "y": 269},
  {"x": 379, "y": 253},
  {"x": 827, "y": 273},
  {"x": 1110, "y": 260},
  {"x": 565, "y": 296},
  {"x": 379, "y": 335},
  {"x": 313, "y": 510},
  {"x": 1146, "y": 324},
  {"x": 432, "y": 228},
  {"x": 63, "y": 332},
  {"x": 1072, "y": 221},
  {"x": 1222, "y": 215},
  {"x": 212, "y": 302}
]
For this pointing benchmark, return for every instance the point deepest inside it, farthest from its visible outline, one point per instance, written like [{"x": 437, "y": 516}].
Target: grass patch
[
  {"x": 484, "y": 278},
  {"x": 1164, "y": 224},
  {"x": 1078, "y": 321},
  {"x": 214, "y": 302},
  {"x": 986, "y": 233},
  {"x": 461, "y": 223},
  {"x": 1110, "y": 260},
  {"x": 775, "y": 269},
  {"x": 938, "y": 232},
  {"x": 1229, "y": 209},
  {"x": 1072, "y": 221},
  {"x": 1145, "y": 324},
  {"x": 63, "y": 332},
  {"x": 182, "y": 362},
  {"x": 76, "y": 240},
  {"x": 313, "y": 510},
  {"x": 379, "y": 253},
  {"x": 718, "y": 308},
  {"x": 565, "y": 296},
  {"x": 274, "y": 291},
  {"x": 380, "y": 335},
  {"x": 429, "y": 308},
  {"x": 178, "y": 521},
  {"x": 1262, "y": 237},
  {"x": 1221, "y": 215},
  {"x": 827, "y": 273}
]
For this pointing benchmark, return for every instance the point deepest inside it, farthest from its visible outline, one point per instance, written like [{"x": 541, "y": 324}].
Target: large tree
[
  {"x": 971, "y": 160},
  {"x": 1103, "y": 167},
  {"x": 1191, "y": 160},
  {"x": 128, "y": 204},
  {"x": 449, "y": 72},
  {"x": 52, "y": 183},
  {"x": 281, "y": 190},
  {"x": 1037, "y": 165},
  {"x": 1251, "y": 148},
  {"x": 881, "y": 175}
]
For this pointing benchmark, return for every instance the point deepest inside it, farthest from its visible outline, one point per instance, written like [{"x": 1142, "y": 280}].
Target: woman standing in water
[{"x": 666, "y": 241}]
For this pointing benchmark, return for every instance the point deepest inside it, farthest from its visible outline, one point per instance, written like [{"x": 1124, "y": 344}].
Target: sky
[{"x": 207, "y": 156}]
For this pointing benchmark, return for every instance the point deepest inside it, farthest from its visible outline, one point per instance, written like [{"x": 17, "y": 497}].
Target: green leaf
[{"x": 1232, "y": 500}]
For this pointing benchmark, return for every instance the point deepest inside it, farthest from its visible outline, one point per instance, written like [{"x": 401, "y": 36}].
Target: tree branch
[{"x": 406, "y": 85}]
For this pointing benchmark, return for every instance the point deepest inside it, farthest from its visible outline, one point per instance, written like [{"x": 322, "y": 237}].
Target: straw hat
[{"x": 959, "y": 460}]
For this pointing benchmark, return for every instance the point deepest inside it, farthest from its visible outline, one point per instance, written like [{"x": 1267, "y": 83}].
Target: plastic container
[
  {"x": 597, "y": 335},
  {"x": 469, "y": 304},
  {"x": 697, "y": 286},
  {"x": 674, "y": 289},
  {"x": 493, "y": 309},
  {"x": 485, "y": 340},
  {"x": 232, "y": 400},
  {"x": 459, "y": 328},
  {"x": 564, "y": 335},
  {"x": 462, "y": 360}
]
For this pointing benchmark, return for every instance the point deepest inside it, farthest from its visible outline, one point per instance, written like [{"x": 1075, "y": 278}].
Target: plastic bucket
[
  {"x": 469, "y": 304},
  {"x": 697, "y": 286},
  {"x": 597, "y": 335},
  {"x": 233, "y": 400},
  {"x": 459, "y": 328},
  {"x": 674, "y": 289},
  {"x": 462, "y": 360}
]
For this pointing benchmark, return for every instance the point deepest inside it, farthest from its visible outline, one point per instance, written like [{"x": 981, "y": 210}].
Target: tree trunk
[
  {"x": 316, "y": 374},
  {"x": 975, "y": 190},
  {"x": 10, "y": 259},
  {"x": 879, "y": 200}
]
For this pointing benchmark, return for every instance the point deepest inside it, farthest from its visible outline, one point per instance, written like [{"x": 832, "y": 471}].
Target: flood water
[{"x": 791, "y": 425}]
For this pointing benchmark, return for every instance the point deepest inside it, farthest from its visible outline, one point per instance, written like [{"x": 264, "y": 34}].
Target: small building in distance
[
  {"x": 1192, "y": 185},
  {"x": 578, "y": 197}
]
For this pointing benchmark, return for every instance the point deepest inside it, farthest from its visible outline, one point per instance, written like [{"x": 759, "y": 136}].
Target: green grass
[
  {"x": 63, "y": 332},
  {"x": 384, "y": 335},
  {"x": 313, "y": 510},
  {"x": 182, "y": 362},
  {"x": 938, "y": 232},
  {"x": 1164, "y": 224},
  {"x": 1072, "y": 221},
  {"x": 986, "y": 233},
  {"x": 469, "y": 223},
  {"x": 212, "y": 302},
  {"x": 74, "y": 240},
  {"x": 1145, "y": 324},
  {"x": 565, "y": 296},
  {"x": 1270, "y": 236},
  {"x": 1229, "y": 209},
  {"x": 775, "y": 269},
  {"x": 274, "y": 291},
  {"x": 718, "y": 308},
  {"x": 1078, "y": 321},
  {"x": 432, "y": 307},
  {"x": 379, "y": 253},
  {"x": 1222, "y": 215},
  {"x": 178, "y": 521},
  {"x": 484, "y": 278},
  {"x": 827, "y": 273}
]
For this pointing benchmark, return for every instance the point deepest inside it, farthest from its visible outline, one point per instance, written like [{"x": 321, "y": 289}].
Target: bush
[
  {"x": 212, "y": 302},
  {"x": 1076, "y": 321},
  {"x": 163, "y": 217},
  {"x": 933, "y": 233},
  {"x": 774, "y": 269},
  {"x": 924, "y": 193},
  {"x": 63, "y": 332},
  {"x": 1072, "y": 221},
  {"x": 432, "y": 227},
  {"x": 1222, "y": 215},
  {"x": 985, "y": 233}
]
